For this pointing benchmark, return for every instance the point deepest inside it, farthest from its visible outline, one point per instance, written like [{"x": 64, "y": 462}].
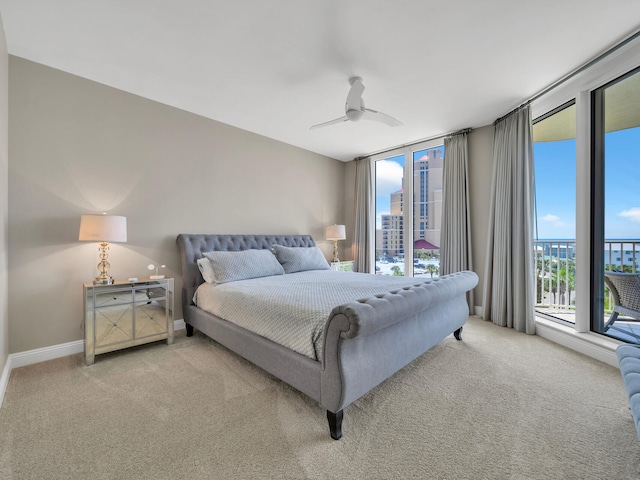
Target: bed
[{"x": 361, "y": 341}]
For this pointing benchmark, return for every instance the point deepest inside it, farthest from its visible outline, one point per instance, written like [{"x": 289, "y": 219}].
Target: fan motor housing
[{"x": 354, "y": 115}]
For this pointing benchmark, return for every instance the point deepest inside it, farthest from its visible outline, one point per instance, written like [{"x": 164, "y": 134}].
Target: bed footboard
[{"x": 368, "y": 341}]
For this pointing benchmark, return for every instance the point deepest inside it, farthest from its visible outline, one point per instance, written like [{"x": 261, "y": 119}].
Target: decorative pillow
[
  {"x": 234, "y": 266},
  {"x": 206, "y": 269},
  {"x": 300, "y": 259}
]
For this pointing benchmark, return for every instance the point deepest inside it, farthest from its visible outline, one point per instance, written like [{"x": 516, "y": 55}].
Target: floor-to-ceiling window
[
  {"x": 616, "y": 211},
  {"x": 604, "y": 101},
  {"x": 409, "y": 210},
  {"x": 554, "y": 151}
]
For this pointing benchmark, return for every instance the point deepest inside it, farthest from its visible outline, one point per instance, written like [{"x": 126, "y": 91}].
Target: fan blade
[
  {"x": 380, "y": 117},
  {"x": 331, "y": 122},
  {"x": 354, "y": 98}
]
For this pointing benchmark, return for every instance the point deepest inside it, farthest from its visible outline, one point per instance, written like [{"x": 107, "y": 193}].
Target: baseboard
[
  {"x": 4, "y": 379},
  {"x": 22, "y": 359},
  {"x": 38, "y": 355}
]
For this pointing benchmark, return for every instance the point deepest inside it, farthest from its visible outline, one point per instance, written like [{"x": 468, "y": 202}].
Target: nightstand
[
  {"x": 344, "y": 266},
  {"x": 125, "y": 314}
]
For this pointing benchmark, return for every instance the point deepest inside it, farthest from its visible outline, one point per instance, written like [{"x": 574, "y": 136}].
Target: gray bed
[{"x": 364, "y": 342}]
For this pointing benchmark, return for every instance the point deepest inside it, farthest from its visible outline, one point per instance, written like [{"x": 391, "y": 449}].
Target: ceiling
[{"x": 277, "y": 67}]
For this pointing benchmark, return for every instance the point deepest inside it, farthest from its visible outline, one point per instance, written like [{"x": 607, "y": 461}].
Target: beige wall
[
  {"x": 4, "y": 201},
  {"x": 480, "y": 173},
  {"x": 80, "y": 147}
]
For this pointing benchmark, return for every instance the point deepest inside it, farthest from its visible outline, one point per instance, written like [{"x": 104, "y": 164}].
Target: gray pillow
[
  {"x": 242, "y": 265},
  {"x": 300, "y": 259}
]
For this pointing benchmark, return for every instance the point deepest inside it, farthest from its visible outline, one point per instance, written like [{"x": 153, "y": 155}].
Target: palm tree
[
  {"x": 431, "y": 268},
  {"x": 396, "y": 271},
  {"x": 567, "y": 280}
]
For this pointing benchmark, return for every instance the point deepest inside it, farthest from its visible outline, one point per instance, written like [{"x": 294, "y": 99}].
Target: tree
[
  {"x": 567, "y": 280},
  {"x": 396, "y": 271},
  {"x": 431, "y": 268}
]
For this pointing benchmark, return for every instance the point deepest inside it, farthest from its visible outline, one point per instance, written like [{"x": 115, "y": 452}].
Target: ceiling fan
[{"x": 355, "y": 110}]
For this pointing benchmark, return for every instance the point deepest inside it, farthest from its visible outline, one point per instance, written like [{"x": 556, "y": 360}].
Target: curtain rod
[
  {"x": 572, "y": 74},
  {"x": 458, "y": 132}
]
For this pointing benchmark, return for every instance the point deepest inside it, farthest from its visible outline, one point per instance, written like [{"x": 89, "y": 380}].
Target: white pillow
[
  {"x": 300, "y": 259},
  {"x": 206, "y": 269},
  {"x": 242, "y": 265}
]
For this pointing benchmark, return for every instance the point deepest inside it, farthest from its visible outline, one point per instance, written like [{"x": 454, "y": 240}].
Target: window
[
  {"x": 416, "y": 250},
  {"x": 616, "y": 211},
  {"x": 554, "y": 153},
  {"x": 606, "y": 96}
]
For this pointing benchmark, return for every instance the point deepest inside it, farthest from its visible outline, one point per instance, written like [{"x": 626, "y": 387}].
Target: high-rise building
[
  {"x": 427, "y": 208},
  {"x": 427, "y": 197}
]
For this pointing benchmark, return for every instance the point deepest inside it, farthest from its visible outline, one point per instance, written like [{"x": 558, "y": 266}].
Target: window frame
[
  {"x": 408, "y": 207},
  {"x": 580, "y": 86}
]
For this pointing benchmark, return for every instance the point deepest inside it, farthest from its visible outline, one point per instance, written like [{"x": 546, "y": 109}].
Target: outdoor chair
[{"x": 625, "y": 290}]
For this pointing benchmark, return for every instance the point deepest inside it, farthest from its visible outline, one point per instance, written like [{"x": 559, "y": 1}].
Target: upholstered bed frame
[{"x": 366, "y": 341}]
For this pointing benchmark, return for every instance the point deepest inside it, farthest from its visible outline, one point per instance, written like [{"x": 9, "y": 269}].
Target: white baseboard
[
  {"x": 4, "y": 379},
  {"x": 38, "y": 355}
]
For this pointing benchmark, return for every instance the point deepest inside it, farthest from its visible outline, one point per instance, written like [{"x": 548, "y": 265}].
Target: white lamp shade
[
  {"x": 336, "y": 232},
  {"x": 103, "y": 228}
]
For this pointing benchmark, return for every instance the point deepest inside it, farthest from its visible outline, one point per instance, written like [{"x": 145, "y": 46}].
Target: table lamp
[
  {"x": 335, "y": 233},
  {"x": 103, "y": 229}
]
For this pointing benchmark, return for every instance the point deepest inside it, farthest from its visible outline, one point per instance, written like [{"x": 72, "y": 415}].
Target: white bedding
[{"x": 292, "y": 309}]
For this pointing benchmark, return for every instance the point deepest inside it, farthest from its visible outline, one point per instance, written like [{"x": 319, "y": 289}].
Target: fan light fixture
[{"x": 355, "y": 110}]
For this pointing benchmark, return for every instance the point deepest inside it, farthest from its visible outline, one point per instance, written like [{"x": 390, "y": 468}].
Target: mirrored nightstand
[
  {"x": 344, "y": 266},
  {"x": 125, "y": 314}
]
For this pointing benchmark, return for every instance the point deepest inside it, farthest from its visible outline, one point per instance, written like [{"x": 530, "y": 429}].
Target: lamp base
[
  {"x": 103, "y": 281},
  {"x": 156, "y": 277}
]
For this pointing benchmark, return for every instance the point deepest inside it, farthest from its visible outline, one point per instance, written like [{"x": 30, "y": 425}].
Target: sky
[
  {"x": 555, "y": 177},
  {"x": 389, "y": 174}
]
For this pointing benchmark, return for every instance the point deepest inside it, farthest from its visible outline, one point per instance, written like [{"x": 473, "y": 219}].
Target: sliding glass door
[
  {"x": 616, "y": 206},
  {"x": 554, "y": 148}
]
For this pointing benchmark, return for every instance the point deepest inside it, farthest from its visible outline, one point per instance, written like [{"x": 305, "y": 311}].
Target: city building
[{"x": 427, "y": 208}]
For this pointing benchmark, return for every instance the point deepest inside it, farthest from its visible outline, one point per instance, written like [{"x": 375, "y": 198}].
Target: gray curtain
[
  {"x": 455, "y": 241},
  {"x": 363, "y": 235},
  {"x": 509, "y": 277}
]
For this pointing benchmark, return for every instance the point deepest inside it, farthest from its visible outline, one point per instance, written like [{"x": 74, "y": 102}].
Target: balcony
[{"x": 555, "y": 280}]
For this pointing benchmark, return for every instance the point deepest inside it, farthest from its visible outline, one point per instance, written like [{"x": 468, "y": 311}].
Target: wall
[
  {"x": 480, "y": 151},
  {"x": 4, "y": 201},
  {"x": 79, "y": 147}
]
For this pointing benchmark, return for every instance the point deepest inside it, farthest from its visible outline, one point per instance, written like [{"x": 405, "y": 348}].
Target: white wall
[{"x": 80, "y": 147}]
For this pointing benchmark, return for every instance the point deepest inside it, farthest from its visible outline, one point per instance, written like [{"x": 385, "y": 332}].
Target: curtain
[
  {"x": 509, "y": 276},
  {"x": 455, "y": 241},
  {"x": 363, "y": 236}
]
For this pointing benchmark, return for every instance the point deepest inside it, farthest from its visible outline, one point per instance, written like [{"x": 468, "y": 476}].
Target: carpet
[{"x": 498, "y": 405}]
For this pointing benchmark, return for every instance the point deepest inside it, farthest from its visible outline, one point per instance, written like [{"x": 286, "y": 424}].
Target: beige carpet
[{"x": 499, "y": 405}]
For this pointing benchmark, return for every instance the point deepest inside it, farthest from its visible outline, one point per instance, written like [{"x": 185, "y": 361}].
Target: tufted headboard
[{"x": 192, "y": 246}]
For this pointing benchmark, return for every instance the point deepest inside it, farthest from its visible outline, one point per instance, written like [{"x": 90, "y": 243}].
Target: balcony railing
[{"x": 556, "y": 272}]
